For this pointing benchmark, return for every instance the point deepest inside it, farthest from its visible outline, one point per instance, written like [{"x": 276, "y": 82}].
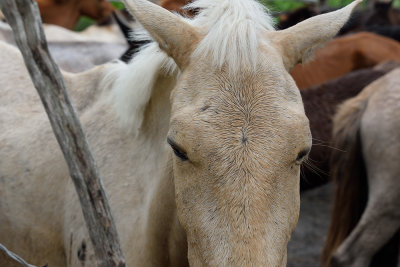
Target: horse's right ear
[
  {"x": 298, "y": 42},
  {"x": 176, "y": 37}
]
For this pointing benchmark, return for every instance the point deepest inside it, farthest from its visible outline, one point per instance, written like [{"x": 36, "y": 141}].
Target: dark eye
[
  {"x": 302, "y": 155},
  {"x": 180, "y": 153}
]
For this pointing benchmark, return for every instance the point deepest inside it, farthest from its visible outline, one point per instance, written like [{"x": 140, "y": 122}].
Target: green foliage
[
  {"x": 281, "y": 5},
  {"x": 288, "y": 5},
  {"x": 85, "y": 22},
  {"x": 338, "y": 3},
  {"x": 117, "y": 5}
]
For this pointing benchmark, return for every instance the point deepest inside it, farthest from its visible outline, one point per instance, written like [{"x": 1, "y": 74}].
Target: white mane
[{"x": 232, "y": 30}]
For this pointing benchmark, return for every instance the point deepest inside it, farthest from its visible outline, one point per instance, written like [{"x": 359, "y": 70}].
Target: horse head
[{"x": 238, "y": 132}]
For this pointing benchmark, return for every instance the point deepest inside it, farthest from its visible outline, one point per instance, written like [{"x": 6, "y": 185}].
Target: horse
[
  {"x": 66, "y": 13},
  {"x": 73, "y": 51},
  {"x": 293, "y": 17},
  {"x": 381, "y": 14},
  {"x": 178, "y": 6},
  {"x": 199, "y": 140},
  {"x": 366, "y": 213},
  {"x": 345, "y": 54},
  {"x": 320, "y": 105}
]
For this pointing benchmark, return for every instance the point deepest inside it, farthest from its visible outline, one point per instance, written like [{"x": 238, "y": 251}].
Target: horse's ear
[
  {"x": 176, "y": 37},
  {"x": 298, "y": 42}
]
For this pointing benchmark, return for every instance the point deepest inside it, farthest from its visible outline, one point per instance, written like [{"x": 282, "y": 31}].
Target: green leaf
[
  {"x": 281, "y": 5},
  {"x": 117, "y": 5},
  {"x": 83, "y": 23}
]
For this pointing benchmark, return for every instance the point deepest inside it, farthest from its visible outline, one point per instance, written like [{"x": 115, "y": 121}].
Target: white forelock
[
  {"x": 232, "y": 36},
  {"x": 232, "y": 30}
]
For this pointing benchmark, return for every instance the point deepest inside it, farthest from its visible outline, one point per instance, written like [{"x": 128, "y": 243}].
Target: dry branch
[
  {"x": 23, "y": 17},
  {"x": 15, "y": 257}
]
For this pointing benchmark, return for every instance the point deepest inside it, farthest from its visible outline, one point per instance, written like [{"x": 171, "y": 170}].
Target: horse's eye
[
  {"x": 302, "y": 155},
  {"x": 180, "y": 153}
]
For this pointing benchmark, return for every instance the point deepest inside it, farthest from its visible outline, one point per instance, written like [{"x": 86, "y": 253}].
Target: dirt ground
[{"x": 307, "y": 240}]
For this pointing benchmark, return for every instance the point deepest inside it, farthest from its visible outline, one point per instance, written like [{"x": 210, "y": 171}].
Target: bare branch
[
  {"x": 15, "y": 257},
  {"x": 23, "y": 16}
]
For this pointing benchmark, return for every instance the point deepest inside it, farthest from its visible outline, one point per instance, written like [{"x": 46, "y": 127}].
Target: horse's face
[
  {"x": 239, "y": 134},
  {"x": 239, "y": 141}
]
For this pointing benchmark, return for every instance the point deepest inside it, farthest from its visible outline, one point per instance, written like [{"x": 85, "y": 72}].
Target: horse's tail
[{"x": 348, "y": 172}]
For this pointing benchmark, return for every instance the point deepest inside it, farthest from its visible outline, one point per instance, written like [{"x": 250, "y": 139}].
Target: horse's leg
[
  {"x": 380, "y": 135},
  {"x": 378, "y": 224}
]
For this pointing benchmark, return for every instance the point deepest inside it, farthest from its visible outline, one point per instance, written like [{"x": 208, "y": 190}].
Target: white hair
[
  {"x": 232, "y": 29},
  {"x": 232, "y": 36}
]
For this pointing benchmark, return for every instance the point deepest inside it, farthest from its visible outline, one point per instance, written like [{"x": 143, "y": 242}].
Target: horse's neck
[
  {"x": 166, "y": 243},
  {"x": 84, "y": 88}
]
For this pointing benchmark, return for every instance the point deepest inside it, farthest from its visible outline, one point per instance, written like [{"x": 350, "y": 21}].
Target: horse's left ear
[
  {"x": 297, "y": 43},
  {"x": 176, "y": 37}
]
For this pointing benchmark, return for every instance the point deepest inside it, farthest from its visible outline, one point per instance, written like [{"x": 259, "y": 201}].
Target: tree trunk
[{"x": 23, "y": 16}]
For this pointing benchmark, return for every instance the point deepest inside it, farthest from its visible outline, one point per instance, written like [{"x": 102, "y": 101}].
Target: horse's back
[{"x": 344, "y": 54}]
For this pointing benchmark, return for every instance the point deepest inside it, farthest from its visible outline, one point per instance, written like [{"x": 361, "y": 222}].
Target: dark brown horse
[
  {"x": 382, "y": 14},
  {"x": 320, "y": 103},
  {"x": 291, "y": 18}
]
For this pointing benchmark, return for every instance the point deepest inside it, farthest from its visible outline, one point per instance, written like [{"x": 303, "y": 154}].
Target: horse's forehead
[
  {"x": 269, "y": 82},
  {"x": 240, "y": 106}
]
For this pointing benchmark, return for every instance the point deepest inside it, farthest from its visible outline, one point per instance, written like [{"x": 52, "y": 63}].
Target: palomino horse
[
  {"x": 366, "y": 213},
  {"x": 76, "y": 52},
  {"x": 225, "y": 192},
  {"x": 320, "y": 104},
  {"x": 343, "y": 55}
]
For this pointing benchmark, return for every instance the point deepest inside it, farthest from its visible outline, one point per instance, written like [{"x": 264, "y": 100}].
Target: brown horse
[
  {"x": 66, "y": 13},
  {"x": 343, "y": 55},
  {"x": 366, "y": 213},
  {"x": 199, "y": 140},
  {"x": 320, "y": 104},
  {"x": 177, "y": 6}
]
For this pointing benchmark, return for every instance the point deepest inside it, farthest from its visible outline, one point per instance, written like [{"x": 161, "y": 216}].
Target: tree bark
[{"x": 23, "y": 16}]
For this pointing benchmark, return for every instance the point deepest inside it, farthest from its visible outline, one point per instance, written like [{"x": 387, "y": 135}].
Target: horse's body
[
  {"x": 76, "y": 52},
  {"x": 226, "y": 194},
  {"x": 366, "y": 213},
  {"x": 345, "y": 54},
  {"x": 176, "y": 6},
  {"x": 383, "y": 13},
  {"x": 320, "y": 105},
  {"x": 66, "y": 13},
  {"x": 54, "y": 33}
]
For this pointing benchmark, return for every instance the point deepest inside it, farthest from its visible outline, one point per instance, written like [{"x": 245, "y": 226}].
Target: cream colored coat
[{"x": 235, "y": 120}]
